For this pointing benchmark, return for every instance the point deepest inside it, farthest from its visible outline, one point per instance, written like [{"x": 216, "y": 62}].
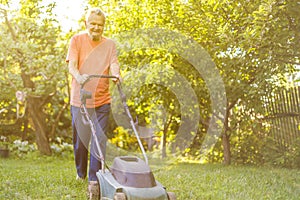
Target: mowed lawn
[{"x": 54, "y": 178}]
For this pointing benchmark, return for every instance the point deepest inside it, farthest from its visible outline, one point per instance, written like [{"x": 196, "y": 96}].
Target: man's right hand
[{"x": 81, "y": 78}]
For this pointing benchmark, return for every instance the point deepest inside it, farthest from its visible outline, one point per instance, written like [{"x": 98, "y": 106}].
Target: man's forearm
[
  {"x": 73, "y": 69},
  {"x": 115, "y": 69}
]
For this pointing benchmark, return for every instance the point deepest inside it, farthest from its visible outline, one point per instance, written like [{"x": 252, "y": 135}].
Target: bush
[
  {"x": 282, "y": 155},
  {"x": 20, "y": 149}
]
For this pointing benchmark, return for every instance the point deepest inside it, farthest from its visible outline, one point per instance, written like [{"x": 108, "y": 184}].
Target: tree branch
[{"x": 11, "y": 30}]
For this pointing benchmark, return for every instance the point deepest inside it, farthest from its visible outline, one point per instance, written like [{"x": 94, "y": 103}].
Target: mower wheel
[
  {"x": 171, "y": 196},
  {"x": 120, "y": 196}
]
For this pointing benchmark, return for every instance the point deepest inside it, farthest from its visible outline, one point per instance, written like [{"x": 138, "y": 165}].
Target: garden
[{"x": 212, "y": 85}]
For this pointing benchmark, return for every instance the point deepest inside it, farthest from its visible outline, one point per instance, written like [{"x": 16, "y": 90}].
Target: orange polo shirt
[{"x": 94, "y": 57}]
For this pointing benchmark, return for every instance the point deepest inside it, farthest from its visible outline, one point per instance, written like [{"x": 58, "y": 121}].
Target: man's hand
[
  {"x": 81, "y": 78},
  {"x": 118, "y": 79}
]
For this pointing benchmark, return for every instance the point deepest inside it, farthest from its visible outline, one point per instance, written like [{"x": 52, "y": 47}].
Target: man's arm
[
  {"x": 73, "y": 70},
  {"x": 115, "y": 71}
]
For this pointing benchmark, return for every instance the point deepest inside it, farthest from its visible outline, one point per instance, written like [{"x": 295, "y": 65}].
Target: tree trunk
[
  {"x": 25, "y": 124},
  {"x": 226, "y": 148},
  {"x": 226, "y": 136},
  {"x": 40, "y": 126},
  {"x": 164, "y": 139},
  {"x": 164, "y": 144}
]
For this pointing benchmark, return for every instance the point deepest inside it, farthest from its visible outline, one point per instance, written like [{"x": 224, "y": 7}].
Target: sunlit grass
[
  {"x": 194, "y": 181},
  {"x": 54, "y": 178},
  {"x": 44, "y": 178}
]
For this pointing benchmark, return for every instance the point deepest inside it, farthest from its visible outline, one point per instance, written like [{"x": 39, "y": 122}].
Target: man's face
[{"x": 95, "y": 26}]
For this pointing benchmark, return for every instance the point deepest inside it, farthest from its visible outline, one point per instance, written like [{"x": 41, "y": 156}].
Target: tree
[
  {"x": 252, "y": 44},
  {"x": 32, "y": 52},
  {"x": 248, "y": 49},
  {"x": 251, "y": 54}
]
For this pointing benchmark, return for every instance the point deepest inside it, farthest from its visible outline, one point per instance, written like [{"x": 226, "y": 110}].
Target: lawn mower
[{"x": 129, "y": 177}]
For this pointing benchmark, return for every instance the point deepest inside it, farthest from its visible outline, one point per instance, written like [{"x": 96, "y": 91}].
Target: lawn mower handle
[
  {"x": 97, "y": 76},
  {"x": 123, "y": 99},
  {"x": 86, "y": 95}
]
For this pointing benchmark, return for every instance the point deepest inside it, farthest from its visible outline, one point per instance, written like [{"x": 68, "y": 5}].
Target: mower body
[{"x": 132, "y": 177}]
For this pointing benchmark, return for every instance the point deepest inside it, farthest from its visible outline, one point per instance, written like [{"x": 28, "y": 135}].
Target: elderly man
[{"x": 91, "y": 53}]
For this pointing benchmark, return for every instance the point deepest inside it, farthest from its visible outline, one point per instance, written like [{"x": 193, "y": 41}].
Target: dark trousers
[{"x": 83, "y": 138}]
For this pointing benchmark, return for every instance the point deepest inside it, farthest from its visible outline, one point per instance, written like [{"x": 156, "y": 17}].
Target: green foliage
[
  {"x": 125, "y": 140},
  {"x": 61, "y": 148},
  {"x": 21, "y": 149},
  {"x": 253, "y": 44},
  {"x": 284, "y": 156},
  {"x": 33, "y": 62}
]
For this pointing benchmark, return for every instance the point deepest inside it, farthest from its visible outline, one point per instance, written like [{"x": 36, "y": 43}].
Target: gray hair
[{"x": 96, "y": 11}]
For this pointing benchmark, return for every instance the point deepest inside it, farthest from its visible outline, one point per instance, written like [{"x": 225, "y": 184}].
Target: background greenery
[{"x": 254, "y": 45}]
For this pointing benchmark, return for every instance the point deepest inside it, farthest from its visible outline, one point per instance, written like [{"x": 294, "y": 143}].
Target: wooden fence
[{"x": 283, "y": 110}]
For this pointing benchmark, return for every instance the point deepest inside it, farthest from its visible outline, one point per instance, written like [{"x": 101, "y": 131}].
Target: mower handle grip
[{"x": 97, "y": 76}]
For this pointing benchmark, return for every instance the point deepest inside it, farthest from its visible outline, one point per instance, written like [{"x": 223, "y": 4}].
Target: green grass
[
  {"x": 54, "y": 178},
  {"x": 43, "y": 178},
  {"x": 194, "y": 181}
]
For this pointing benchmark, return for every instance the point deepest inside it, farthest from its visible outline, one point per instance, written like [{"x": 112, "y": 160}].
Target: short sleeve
[
  {"x": 114, "y": 56},
  {"x": 73, "y": 50}
]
